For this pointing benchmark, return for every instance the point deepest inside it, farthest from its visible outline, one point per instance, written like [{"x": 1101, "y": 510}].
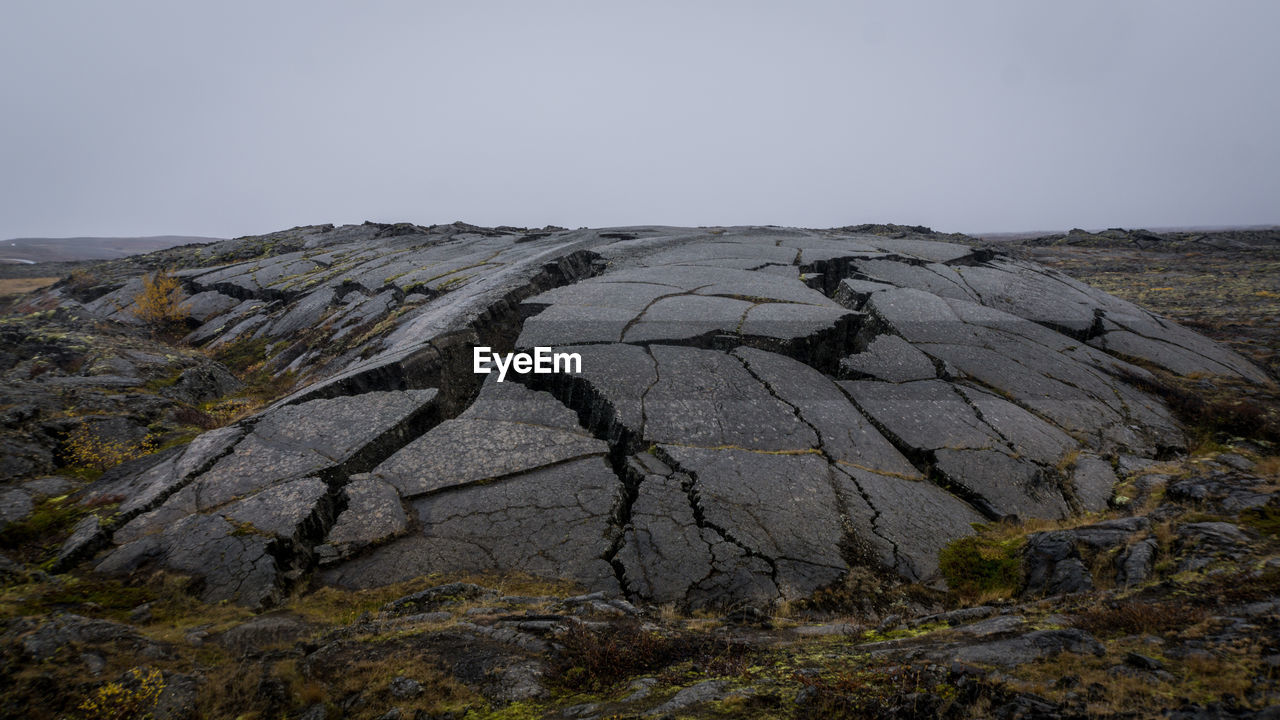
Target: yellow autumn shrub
[{"x": 160, "y": 305}]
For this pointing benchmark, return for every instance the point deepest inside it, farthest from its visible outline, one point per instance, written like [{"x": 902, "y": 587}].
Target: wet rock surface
[{"x": 753, "y": 403}]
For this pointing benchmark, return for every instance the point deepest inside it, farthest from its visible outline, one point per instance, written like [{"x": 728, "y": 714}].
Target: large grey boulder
[{"x": 758, "y": 409}]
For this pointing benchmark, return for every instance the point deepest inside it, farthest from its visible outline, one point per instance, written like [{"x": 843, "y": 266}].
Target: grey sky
[{"x": 228, "y": 118}]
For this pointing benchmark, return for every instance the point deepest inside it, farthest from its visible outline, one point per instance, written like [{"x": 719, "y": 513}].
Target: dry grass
[
  {"x": 1131, "y": 617},
  {"x": 237, "y": 684},
  {"x": 278, "y": 688},
  {"x": 598, "y": 659},
  {"x": 1268, "y": 467},
  {"x": 889, "y": 691},
  {"x": 22, "y": 286},
  {"x": 334, "y": 605},
  {"x": 1197, "y": 679}
]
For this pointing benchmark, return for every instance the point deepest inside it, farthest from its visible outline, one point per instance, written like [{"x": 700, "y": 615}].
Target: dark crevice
[
  {"x": 926, "y": 463},
  {"x": 1058, "y": 482},
  {"x": 1140, "y": 361},
  {"x": 640, "y": 315},
  {"x": 978, "y": 257},
  {"x": 598, "y": 416},
  {"x": 842, "y": 504},
  {"x": 121, "y": 519},
  {"x": 1097, "y": 329},
  {"x": 965, "y": 493},
  {"x": 242, "y": 293},
  {"x": 822, "y": 351},
  {"x": 832, "y": 270},
  {"x": 496, "y": 479},
  {"x": 446, "y": 361},
  {"x": 700, "y": 518},
  {"x": 644, "y": 396},
  {"x": 445, "y": 364}
]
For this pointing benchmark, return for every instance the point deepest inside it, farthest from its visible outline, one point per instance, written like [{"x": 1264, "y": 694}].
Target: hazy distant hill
[
  {"x": 36, "y": 250},
  {"x": 1245, "y": 236}
]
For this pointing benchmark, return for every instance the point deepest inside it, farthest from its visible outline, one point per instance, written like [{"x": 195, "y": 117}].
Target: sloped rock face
[{"x": 757, "y": 409}]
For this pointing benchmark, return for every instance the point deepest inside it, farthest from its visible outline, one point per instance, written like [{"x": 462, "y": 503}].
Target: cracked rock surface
[{"x": 759, "y": 408}]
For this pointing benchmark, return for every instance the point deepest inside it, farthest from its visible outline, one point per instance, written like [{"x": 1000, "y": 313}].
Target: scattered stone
[
  {"x": 994, "y": 626},
  {"x": 641, "y": 688},
  {"x": 141, "y": 614},
  {"x": 1053, "y": 565},
  {"x": 1021, "y": 649},
  {"x": 1143, "y": 662},
  {"x": 436, "y": 596},
  {"x": 703, "y": 692},
  {"x": 483, "y": 611},
  {"x": 15, "y": 505},
  {"x": 86, "y": 537},
  {"x": 177, "y": 700},
  {"x": 955, "y": 617},
  {"x": 263, "y": 632},
  {"x": 825, "y": 630},
  {"x": 1236, "y": 460},
  {"x": 1110, "y": 533},
  {"x": 1134, "y": 565},
  {"x": 44, "y": 638},
  {"x": 93, "y": 662},
  {"x": 403, "y": 688},
  {"x": 202, "y": 384},
  {"x": 429, "y": 617},
  {"x": 50, "y": 486},
  {"x": 520, "y": 681}
]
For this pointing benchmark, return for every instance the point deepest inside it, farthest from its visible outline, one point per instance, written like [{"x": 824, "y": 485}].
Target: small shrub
[
  {"x": 977, "y": 565},
  {"x": 160, "y": 304},
  {"x": 123, "y": 701},
  {"x": 85, "y": 448}
]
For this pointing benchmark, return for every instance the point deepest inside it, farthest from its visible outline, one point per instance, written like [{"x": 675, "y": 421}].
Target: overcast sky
[{"x": 228, "y": 118}]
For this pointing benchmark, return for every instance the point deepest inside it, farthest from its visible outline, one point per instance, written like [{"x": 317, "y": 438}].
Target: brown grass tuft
[{"x": 1132, "y": 617}]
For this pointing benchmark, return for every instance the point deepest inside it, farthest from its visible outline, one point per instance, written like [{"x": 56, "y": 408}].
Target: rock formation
[{"x": 759, "y": 408}]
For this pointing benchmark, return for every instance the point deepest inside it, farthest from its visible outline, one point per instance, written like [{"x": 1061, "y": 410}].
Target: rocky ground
[
  {"x": 1166, "y": 606},
  {"x": 301, "y": 558}
]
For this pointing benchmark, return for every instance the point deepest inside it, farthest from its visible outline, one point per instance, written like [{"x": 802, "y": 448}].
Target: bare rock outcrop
[{"x": 758, "y": 409}]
